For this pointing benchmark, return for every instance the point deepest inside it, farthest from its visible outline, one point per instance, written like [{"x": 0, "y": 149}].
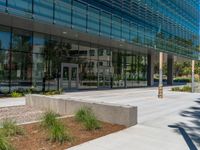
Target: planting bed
[{"x": 36, "y": 137}]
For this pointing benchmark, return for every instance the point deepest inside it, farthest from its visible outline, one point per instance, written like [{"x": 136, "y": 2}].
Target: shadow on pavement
[{"x": 190, "y": 130}]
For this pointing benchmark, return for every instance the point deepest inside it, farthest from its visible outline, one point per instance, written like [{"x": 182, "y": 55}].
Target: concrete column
[
  {"x": 160, "y": 87},
  {"x": 160, "y": 69},
  {"x": 170, "y": 68},
  {"x": 150, "y": 69},
  {"x": 193, "y": 64}
]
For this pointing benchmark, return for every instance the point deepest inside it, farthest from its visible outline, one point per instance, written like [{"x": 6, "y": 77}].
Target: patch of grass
[
  {"x": 4, "y": 143},
  {"x": 182, "y": 89},
  {"x": 187, "y": 89},
  {"x": 53, "y": 92},
  {"x": 49, "y": 119},
  {"x": 176, "y": 89},
  {"x": 16, "y": 94},
  {"x": 82, "y": 113},
  {"x": 87, "y": 117},
  {"x": 91, "y": 123},
  {"x": 10, "y": 128},
  {"x": 58, "y": 133}
]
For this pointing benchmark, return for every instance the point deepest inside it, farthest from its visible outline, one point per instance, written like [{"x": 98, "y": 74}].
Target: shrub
[
  {"x": 49, "y": 119},
  {"x": 186, "y": 89},
  {"x": 87, "y": 117},
  {"x": 183, "y": 89},
  {"x": 176, "y": 89},
  {"x": 10, "y": 128},
  {"x": 91, "y": 123},
  {"x": 4, "y": 143},
  {"x": 16, "y": 94},
  {"x": 58, "y": 133},
  {"x": 53, "y": 92},
  {"x": 82, "y": 113}
]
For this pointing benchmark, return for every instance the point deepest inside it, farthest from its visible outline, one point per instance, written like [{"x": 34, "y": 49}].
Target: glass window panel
[
  {"x": 79, "y": 15},
  {"x": 20, "y": 7},
  {"x": 118, "y": 68},
  {"x": 63, "y": 12},
  {"x": 128, "y": 69},
  {"x": 43, "y": 9},
  {"x": 93, "y": 20},
  {"x": 38, "y": 70},
  {"x": 38, "y": 67},
  {"x": 116, "y": 27},
  {"x": 39, "y": 41},
  {"x": 105, "y": 24},
  {"x": 22, "y": 41},
  {"x": 134, "y": 33},
  {"x": 87, "y": 68},
  {"x": 2, "y": 5},
  {"x": 4, "y": 38},
  {"x": 125, "y": 31},
  {"x": 4, "y": 71},
  {"x": 21, "y": 70}
]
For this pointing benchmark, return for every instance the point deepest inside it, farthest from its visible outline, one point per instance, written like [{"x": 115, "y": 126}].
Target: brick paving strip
[{"x": 21, "y": 114}]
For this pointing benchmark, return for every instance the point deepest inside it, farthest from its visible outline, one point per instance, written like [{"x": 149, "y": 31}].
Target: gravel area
[{"x": 21, "y": 114}]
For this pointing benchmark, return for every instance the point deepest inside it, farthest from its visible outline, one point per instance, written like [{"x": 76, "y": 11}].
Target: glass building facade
[{"x": 31, "y": 58}]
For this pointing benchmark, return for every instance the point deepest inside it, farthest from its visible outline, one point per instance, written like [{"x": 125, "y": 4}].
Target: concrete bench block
[{"x": 112, "y": 113}]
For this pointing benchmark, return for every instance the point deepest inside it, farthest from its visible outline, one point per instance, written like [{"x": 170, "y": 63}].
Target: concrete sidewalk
[
  {"x": 9, "y": 102},
  {"x": 169, "y": 124},
  {"x": 172, "y": 123}
]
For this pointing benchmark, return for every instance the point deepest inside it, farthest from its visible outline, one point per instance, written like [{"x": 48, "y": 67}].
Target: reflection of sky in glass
[
  {"x": 5, "y": 40},
  {"x": 135, "y": 21}
]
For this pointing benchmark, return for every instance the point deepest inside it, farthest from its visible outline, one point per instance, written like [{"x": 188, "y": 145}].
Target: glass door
[
  {"x": 65, "y": 77},
  {"x": 69, "y": 76}
]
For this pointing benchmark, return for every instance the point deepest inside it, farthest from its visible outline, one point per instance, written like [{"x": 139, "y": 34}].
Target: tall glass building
[{"x": 89, "y": 44}]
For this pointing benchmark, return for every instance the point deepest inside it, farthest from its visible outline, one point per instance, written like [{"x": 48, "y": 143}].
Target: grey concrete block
[{"x": 112, "y": 113}]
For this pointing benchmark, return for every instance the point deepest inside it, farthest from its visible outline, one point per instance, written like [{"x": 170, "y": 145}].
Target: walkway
[
  {"x": 7, "y": 102},
  {"x": 169, "y": 124}
]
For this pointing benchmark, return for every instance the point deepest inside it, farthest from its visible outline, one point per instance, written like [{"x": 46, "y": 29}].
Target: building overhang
[{"x": 74, "y": 34}]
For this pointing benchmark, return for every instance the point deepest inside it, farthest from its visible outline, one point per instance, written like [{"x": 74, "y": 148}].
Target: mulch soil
[{"x": 36, "y": 137}]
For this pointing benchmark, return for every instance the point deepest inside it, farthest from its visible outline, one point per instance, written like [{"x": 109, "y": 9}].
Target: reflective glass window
[
  {"x": 125, "y": 30},
  {"x": 88, "y": 67},
  {"x": 43, "y": 9},
  {"x": 21, "y": 70},
  {"x": 105, "y": 24},
  {"x": 116, "y": 27},
  {"x": 20, "y": 7},
  {"x": 63, "y": 12},
  {"x": 93, "y": 20},
  {"x": 79, "y": 15},
  {"x": 4, "y": 71},
  {"x": 5, "y": 38},
  {"x": 22, "y": 40},
  {"x": 2, "y": 5}
]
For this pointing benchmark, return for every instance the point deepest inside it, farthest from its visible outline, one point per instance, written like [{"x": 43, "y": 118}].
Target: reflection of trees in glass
[
  {"x": 21, "y": 57},
  {"x": 3, "y": 66},
  {"x": 180, "y": 68},
  {"x": 141, "y": 68},
  {"x": 55, "y": 52},
  {"x": 175, "y": 43}
]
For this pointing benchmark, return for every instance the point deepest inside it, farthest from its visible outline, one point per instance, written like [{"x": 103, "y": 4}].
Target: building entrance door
[
  {"x": 69, "y": 76},
  {"x": 104, "y": 77}
]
